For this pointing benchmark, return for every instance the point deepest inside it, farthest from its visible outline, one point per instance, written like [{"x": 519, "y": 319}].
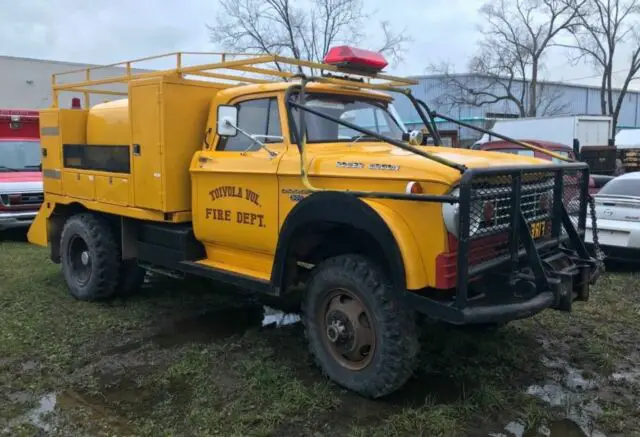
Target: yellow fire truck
[{"x": 266, "y": 172}]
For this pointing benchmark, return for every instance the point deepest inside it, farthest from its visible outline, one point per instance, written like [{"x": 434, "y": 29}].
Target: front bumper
[
  {"x": 9, "y": 220},
  {"x": 530, "y": 275},
  {"x": 515, "y": 295}
]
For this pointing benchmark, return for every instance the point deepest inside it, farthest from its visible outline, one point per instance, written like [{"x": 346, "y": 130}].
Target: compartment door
[{"x": 146, "y": 145}]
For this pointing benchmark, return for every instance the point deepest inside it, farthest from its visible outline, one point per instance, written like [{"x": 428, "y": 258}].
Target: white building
[{"x": 26, "y": 83}]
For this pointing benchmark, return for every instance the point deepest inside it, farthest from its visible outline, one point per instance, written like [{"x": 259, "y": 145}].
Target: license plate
[{"x": 537, "y": 229}]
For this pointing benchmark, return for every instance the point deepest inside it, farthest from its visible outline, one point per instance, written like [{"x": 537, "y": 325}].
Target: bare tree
[
  {"x": 605, "y": 26},
  {"x": 304, "y": 31},
  {"x": 517, "y": 35}
]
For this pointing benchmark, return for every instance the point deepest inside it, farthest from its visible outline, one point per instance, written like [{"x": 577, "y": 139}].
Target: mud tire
[
  {"x": 396, "y": 335},
  {"x": 103, "y": 272}
]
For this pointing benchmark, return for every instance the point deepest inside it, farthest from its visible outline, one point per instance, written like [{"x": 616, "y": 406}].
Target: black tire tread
[
  {"x": 399, "y": 344},
  {"x": 105, "y": 256}
]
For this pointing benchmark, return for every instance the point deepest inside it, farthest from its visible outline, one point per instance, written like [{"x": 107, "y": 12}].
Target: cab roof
[{"x": 313, "y": 87}]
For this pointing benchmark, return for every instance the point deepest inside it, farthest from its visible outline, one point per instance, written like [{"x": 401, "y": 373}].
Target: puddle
[
  {"x": 46, "y": 415},
  {"x": 220, "y": 324},
  {"x": 37, "y": 416},
  {"x": 570, "y": 391},
  {"x": 555, "y": 428},
  {"x": 628, "y": 377}
]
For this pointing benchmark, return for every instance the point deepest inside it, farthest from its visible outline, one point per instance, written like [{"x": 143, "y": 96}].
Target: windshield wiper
[
  {"x": 38, "y": 166},
  {"x": 2, "y": 167}
]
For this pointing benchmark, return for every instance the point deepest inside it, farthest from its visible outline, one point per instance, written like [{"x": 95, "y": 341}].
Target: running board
[{"x": 231, "y": 278}]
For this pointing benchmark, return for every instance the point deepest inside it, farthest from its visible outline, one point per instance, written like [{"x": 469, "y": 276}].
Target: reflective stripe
[
  {"x": 49, "y": 131},
  {"x": 51, "y": 174}
]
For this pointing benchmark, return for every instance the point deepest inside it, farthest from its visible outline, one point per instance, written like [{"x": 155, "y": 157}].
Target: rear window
[
  {"x": 522, "y": 152},
  {"x": 621, "y": 187}
]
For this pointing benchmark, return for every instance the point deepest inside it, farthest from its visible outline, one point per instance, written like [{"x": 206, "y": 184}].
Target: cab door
[{"x": 235, "y": 198}]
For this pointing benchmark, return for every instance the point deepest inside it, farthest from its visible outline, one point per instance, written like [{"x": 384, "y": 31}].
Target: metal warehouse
[
  {"x": 569, "y": 99},
  {"x": 26, "y": 82}
]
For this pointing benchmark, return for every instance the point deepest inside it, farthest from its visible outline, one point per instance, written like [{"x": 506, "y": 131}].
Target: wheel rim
[
  {"x": 80, "y": 260},
  {"x": 347, "y": 331}
]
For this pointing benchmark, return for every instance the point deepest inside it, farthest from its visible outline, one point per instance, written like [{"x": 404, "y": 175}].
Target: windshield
[
  {"x": 19, "y": 155},
  {"x": 621, "y": 187},
  {"x": 374, "y": 115}
]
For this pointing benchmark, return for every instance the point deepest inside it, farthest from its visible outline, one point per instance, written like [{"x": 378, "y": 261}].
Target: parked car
[
  {"x": 591, "y": 136},
  {"x": 617, "y": 207},
  {"x": 557, "y": 148},
  {"x": 21, "y": 190}
]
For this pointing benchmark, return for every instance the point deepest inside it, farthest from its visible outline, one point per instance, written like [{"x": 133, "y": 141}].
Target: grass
[{"x": 188, "y": 358}]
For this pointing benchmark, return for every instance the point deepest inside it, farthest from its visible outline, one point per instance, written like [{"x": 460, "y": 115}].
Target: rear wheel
[
  {"x": 89, "y": 257},
  {"x": 360, "y": 333}
]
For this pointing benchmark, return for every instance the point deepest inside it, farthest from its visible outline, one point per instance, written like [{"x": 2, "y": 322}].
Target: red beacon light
[
  {"x": 75, "y": 103},
  {"x": 355, "y": 60}
]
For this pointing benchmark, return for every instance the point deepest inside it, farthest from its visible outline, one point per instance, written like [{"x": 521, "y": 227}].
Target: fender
[
  {"x": 344, "y": 208},
  {"x": 38, "y": 233},
  {"x": 416, "y": 276}
]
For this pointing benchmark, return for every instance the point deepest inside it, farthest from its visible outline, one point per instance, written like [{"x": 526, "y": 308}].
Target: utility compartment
[
  {"x": 57, "y": 128},
  {"x": 168, "y": 119}
]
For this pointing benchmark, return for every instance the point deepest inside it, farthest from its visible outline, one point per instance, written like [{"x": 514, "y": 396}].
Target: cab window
[{"x": 259, "y": 117}]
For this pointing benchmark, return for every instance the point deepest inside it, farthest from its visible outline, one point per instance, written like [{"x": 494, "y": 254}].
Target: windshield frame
[{"x": 15, "y": 144}]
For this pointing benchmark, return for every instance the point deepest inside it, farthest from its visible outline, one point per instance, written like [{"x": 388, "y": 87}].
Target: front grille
[
  {"x": 491, "y": 202},
  {"x": 31, "y": 198}
]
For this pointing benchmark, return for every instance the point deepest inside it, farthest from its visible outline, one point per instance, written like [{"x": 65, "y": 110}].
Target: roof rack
[{"x": 271, "y": 68}]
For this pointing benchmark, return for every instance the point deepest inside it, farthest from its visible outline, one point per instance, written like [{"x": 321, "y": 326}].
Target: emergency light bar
[{"x": 356, "y": 60}]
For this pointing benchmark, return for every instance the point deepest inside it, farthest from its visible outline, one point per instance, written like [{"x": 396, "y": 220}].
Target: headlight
[{"x": 451, "y": 213}]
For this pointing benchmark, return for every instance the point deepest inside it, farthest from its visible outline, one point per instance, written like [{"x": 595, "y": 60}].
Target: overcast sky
[{"x": 115, "y": 30}]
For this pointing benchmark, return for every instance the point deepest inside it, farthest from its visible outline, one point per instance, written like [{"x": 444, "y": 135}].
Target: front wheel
[{"x": 360, "y": 332}]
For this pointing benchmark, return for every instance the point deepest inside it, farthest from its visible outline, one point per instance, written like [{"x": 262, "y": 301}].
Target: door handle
[
  {"x": 136, "y": 149},
  {"x": 206, "y": 138}
]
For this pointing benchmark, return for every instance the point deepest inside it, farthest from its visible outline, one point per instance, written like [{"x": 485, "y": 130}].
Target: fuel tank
[{"x": 108, "y": 123}]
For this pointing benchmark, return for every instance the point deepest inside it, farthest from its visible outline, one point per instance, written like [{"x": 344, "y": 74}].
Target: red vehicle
[
  {"x": 21, "y": 192},
  {"x": 557, "y": 148}
]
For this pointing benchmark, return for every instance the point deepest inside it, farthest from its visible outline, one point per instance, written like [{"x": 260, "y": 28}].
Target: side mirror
[
  {"x": 227, "y": 121},
  {"x": 416, "y": 137}
]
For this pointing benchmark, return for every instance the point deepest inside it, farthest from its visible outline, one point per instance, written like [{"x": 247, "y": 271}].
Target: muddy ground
[{"x": 188, "y": 358}]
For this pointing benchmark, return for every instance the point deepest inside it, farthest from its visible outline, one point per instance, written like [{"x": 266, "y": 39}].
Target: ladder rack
[{"x": 231, "y": 67}]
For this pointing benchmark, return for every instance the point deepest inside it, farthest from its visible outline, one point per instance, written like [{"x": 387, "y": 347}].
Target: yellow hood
[{"x": 374, "y": 160}]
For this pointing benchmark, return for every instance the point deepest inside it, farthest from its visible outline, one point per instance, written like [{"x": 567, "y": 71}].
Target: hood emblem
[
  {"x": 349, "y": 164},
  {"x": 389, "y": 167}
]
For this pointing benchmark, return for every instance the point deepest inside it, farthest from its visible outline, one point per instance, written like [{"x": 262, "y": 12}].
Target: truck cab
[
  {"x": 268, "y": 180},
  {"x": 20, "y": 177}
]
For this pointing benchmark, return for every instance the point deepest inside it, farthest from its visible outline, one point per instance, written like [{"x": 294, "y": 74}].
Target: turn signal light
[{"x": 414, "y": 188}]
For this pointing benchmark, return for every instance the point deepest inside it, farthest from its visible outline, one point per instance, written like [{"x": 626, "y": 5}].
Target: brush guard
[{"x": 550, "y": 269}]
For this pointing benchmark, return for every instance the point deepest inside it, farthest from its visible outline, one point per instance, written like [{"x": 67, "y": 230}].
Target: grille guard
[{"x": 567, "y": 231}]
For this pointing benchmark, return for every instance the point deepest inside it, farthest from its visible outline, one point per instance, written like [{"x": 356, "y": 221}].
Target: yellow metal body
[{"x": 237, "y": 202}]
